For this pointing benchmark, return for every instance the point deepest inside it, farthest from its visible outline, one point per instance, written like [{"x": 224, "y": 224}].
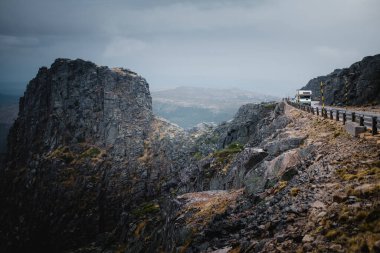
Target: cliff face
[
  {"x": 84, "y": 150},
  {"x": 363, "y": 83},
  {"x": 78, "y": 102}
]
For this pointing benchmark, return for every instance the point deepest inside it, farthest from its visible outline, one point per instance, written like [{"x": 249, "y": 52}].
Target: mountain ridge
[
  {"x": 90, "y": 168},
  {"x": 359, "y": 83}
]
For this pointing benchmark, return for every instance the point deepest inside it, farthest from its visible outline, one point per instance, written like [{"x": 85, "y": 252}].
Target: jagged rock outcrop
[
  {"x": 244, "y": 125},
  {"x": 84, "y": 151},
  {"x": 77, "y": 101},
  {"x": 361, "y": 78},
  {"x": 233, "y": 155}
]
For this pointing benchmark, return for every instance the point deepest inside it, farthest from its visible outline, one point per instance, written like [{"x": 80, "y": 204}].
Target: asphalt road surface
[{"x": 315, "y": 104}]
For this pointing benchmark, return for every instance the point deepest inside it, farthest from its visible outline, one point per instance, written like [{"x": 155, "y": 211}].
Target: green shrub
[
  {"x": 269, "y": 106},
  {"x": 91, "y": 152},
  {"x": 231, "y": 149},
  {"x": 224, "y": 155},
  {"x": 145, "y": 209},
  {"x": 198, "y": 156}
]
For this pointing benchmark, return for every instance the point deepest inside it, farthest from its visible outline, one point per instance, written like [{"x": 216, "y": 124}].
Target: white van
[{"x": 304, "y": 97}]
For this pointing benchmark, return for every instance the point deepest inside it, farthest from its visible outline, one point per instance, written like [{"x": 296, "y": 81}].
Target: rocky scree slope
[
  {"x": 362, "y": 79},
  {"x": 316, "y": 189}
]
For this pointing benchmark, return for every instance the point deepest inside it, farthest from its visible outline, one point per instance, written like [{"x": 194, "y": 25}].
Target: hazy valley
[{"x": 189, "y": 106}]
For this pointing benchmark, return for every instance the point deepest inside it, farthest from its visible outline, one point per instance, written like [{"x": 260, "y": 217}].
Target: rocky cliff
[
  {"x": 90, "y": 169},
  {"x": 84, "y": 149},
  {"x": 362, "y": 80}
]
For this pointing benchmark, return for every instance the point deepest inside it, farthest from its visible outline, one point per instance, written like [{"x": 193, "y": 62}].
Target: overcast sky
[{"x": 272, "y": 46}]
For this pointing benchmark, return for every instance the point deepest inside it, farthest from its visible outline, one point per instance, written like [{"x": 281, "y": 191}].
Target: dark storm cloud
[{"x": 272, "y": 46}]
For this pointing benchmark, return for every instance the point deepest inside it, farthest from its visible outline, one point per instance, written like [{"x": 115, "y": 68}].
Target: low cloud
[
  {"x": 269, "y": 46},
  {"x": 14, "y": 41},
  {"x": 121, "y": 47}
]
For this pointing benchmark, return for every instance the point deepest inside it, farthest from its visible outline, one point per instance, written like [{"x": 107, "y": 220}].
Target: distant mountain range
[{"x": 188, "y": 106}]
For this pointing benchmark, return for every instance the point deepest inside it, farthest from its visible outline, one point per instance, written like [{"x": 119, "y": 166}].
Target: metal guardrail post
[
  {"x": 374, "y": 125},
  {"x": 344, "y": 118},
  {"x": 312, "y": 110},
  {"x": 325, "y": 113},
  {"x": 353, "y": 117},
  {"x": 361, "y": 120},
  {"x": 317, "y": 111},
  {"x": 337, "y": 115},
  {"x": 331, "y": 114}
]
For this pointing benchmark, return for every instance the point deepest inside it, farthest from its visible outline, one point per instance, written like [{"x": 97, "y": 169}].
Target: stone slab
[{"x": 354, "y": 128}]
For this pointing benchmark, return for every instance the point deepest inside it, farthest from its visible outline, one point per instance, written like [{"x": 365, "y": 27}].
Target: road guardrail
[{"x": 368, "y": 120}]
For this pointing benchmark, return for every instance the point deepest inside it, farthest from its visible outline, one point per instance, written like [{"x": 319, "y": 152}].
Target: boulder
[{"x": 354, "y": 129}]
